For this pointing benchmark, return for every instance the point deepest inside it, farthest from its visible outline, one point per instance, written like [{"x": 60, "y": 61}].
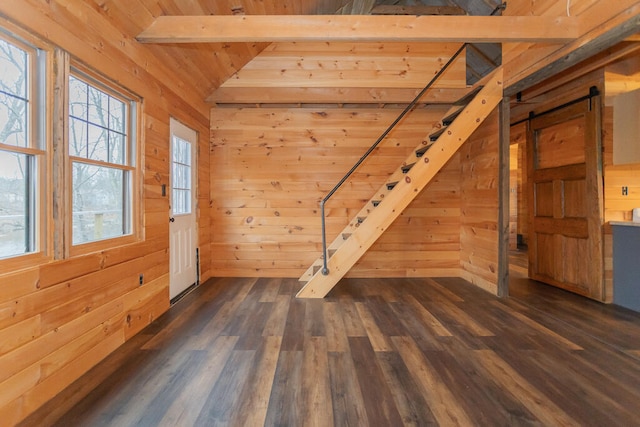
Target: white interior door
[{"x": 182, "y": 222}]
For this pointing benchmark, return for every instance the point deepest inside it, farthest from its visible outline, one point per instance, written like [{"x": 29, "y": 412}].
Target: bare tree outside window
[
  {"x": 16, "y": 206},
  {"x": 98, "y": 144}
]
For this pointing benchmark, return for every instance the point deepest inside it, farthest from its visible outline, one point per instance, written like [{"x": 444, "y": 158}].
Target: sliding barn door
[{"x": 565, "y": 196}]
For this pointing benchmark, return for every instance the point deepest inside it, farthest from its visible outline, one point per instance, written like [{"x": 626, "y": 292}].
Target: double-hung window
[
  {"x": 101, "y": 149},
  {"x": 21, "y": 148}
]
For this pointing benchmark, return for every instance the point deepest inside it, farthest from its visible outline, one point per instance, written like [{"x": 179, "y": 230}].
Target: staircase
[{"x": 401, "y": 188}]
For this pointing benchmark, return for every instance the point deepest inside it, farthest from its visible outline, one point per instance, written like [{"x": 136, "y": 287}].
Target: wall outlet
[
  {"x": 141, "y": 279},
  {"x": 625, "y": 191}
]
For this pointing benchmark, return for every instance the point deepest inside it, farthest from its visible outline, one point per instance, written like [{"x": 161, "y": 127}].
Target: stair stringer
[{"x": 409, "y": 186}]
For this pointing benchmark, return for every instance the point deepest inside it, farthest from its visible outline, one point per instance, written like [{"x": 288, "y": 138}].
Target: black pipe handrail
[{"x": 412, "y": 104}]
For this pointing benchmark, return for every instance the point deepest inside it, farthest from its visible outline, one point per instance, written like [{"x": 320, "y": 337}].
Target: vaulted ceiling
[{"x": 212, "y": 64}]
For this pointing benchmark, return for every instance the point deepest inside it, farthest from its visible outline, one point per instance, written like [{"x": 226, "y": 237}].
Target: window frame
[
  {"x": 131, "y": 168},
  {"x": 38, "y": 145}
]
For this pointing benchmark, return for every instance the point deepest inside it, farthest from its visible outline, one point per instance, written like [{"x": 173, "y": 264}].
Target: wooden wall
[
  {"x": 344, "y": 73},
  {"x": 272, "y": 166},
  {"x": 58, "y": 318},
  {"x": 479, "y": 166}
]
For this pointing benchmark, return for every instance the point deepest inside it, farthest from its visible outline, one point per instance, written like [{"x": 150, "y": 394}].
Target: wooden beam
[
  {"x": 353, "y": 95},
  {"x": 360, "y": 28},
  {"x": 386, "y": 9}
]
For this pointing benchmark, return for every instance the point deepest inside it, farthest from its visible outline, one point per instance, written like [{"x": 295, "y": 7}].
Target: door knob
[{"x": 172, "y": 219}]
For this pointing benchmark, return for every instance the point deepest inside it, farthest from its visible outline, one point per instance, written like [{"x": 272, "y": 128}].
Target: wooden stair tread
[
  {"x": 421, "y": 151},
  {"x": 469, "y": 96},
  {"x": 435, "y": 135},
  {"x": 407, "y": 168},
  {"x": 451, "y": 117}
]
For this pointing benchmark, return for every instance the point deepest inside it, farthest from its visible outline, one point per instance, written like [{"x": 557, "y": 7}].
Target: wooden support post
[{"x": 503, "y": 200}]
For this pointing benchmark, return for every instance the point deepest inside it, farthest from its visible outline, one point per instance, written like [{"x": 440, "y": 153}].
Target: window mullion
[{"x": 60, "y": 174}]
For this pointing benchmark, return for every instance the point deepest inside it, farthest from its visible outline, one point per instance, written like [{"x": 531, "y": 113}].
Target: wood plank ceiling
[{"x": 210, "y": 65}]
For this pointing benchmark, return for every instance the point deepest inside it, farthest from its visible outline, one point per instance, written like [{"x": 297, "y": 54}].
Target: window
[
  {"x": 181, "y": 176},
  {"x": 21, "y": 148},
  {"x": 102, "y": 158},
  {"x": 57, "y": 202}
]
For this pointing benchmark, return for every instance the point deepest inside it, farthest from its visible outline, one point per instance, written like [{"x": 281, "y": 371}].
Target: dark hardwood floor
[{"x": 245, "y": 352}]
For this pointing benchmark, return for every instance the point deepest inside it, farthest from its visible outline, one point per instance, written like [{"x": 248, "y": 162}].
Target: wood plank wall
[
  {"x": 349, "y": 65},
  {"x": 479, "y": 167},
  {"x": 346, "y": 73},
  {"x": 58, "y": 318},
  {"x": 272, "y": 166}
]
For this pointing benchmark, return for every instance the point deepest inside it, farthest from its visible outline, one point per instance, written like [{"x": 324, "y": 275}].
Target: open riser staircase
[{"x": 401, "y": 188}]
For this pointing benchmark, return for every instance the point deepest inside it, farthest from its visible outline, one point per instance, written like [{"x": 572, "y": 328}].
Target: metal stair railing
[
  {"x": 412, "y": 104},
  {"x": 408, "y": 108}
]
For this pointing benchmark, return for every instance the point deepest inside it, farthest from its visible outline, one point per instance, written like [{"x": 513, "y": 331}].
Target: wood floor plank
[
  {"x": 293, "y": 338},
  {"x": 425, "y": 338},
  {"x": 458, "y": 316},
  {"x": 285, "y": 400},
  {"x": 189, "y": 401},
  {"x": 352, "y": 322},
  {"x": 377, "y": 396},
  {"x": 257, "y": 389},
  {"x": 540, "y": 405},
  {"x": 379, "y": 341},
  {"x": 348, "y": 403},
  {"x": 411, "y": 404},
  {"x": 585, "y": 391},
  {"x": 278, "y": 318},
  {"x": 314, "y": 318},
  {"x": 464, "y": 377},
  {"x": 271, "y": 290},
  {"x": 317, "y": 407},
  {"x": 172, "y": 381},
  {"x": 426, "y": 317},
  {"x": 334, "y": 327},
  {"x": 443, "y": 404},
  {"x": 222, "y": 402},
  {"x": 558, "y": 339},
  {"x": 384, "y": 317}
]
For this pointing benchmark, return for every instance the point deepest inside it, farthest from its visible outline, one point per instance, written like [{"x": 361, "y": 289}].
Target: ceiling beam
[
  {"x": 359, "y": 28},
  {"x": 351, "y": 95},
  {"x": 386, "y": 9}
]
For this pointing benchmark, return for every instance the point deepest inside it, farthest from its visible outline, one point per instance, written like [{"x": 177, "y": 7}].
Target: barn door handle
[{"x": 172, "y": 219}]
